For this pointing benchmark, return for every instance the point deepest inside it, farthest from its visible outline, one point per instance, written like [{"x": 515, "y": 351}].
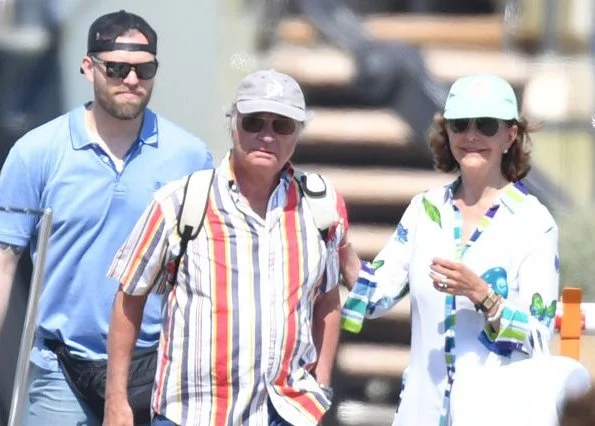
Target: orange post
[{"x": 571, "y": 323}]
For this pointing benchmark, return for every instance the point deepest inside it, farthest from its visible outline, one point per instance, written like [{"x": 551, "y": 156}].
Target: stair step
[
  {"x": 328, "y": 66},
  {"x": 368, "y": 240},
  {"x": 419, "y": 29},
  {"x": 357, "y": 413},
  {"x": 381, "y": 127},
  {"x": 361, "y": 7},
  {"x": 372, "y": 360},
  {"x": 320, "y": 66},
  {"x": 448, "y": 64},
  {"x": 383, "y": 186}
]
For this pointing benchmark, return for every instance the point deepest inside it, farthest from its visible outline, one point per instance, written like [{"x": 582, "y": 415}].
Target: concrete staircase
[{"x": 376, "y": 162}]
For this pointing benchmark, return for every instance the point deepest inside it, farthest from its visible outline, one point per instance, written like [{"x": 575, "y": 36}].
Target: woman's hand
[{"x": 456, "y": 279}]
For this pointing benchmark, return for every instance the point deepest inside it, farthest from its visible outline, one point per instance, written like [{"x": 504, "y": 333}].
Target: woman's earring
[{"x": 505, "y": 150}]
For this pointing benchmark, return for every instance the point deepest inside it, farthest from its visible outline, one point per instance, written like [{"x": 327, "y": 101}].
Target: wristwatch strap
[{"x": 488, "y": 303}]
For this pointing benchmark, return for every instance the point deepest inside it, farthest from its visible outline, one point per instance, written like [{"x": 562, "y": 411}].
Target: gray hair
[{"x": 231, "y": 118}]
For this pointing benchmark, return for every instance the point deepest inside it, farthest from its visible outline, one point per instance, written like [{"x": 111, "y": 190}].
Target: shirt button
[{"x": 105, "y": 158}]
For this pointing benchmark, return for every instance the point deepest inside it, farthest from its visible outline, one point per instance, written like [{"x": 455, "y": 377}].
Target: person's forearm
[
  {"x": 326, "y": 330},
  {"x": 126, "y": 318},
  {"x": 9, "y": 258},
  {"x": 350, "y": 264}
]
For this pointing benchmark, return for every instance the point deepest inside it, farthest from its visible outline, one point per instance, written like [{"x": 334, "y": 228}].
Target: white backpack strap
[
  {"x": 321, "y": 198},
  {"x": 190, "y": 217},
  {"x": 191, "y": 214},
  {"x": 194, "y": 203}
]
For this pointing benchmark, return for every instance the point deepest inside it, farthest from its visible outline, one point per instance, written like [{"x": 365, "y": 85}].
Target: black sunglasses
[
  {"x": 486, "y": 125},
  {"x": 120, "y": 70},
  {"x": 252, "y": 123}
]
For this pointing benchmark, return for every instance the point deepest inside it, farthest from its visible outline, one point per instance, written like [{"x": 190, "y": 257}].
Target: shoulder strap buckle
[{"x": 321, "y": 198}]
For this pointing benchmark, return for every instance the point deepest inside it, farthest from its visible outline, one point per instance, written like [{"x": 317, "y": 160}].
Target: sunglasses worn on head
[
  {"x": 120, "y": 70},
  {"x": 486, "y": 125},
  {"x": 254, "y": 124}
]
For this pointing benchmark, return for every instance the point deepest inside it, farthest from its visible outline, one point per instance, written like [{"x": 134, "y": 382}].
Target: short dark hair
[
  {"x": 104, "y": 31},
  {"x": 516, "y": 163}
]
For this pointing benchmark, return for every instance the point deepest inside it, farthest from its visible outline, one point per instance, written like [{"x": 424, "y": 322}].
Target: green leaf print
[
  {"x": 377, "y": 264},
  {"x": 432, "y": 212}
]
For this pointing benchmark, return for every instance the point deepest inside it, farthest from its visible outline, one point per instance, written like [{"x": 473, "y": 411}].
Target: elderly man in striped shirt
[{"x": 251, "y": 325}]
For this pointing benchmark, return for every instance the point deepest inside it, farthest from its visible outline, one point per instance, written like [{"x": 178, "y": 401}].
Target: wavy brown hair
[{"x": 516, "y": 163}]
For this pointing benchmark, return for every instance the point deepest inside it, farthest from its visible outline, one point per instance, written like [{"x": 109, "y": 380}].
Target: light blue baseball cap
[{"x": 481, "y": 95}]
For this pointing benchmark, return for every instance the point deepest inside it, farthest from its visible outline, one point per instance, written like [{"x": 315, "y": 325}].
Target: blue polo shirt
[{"x": 94, "y": 209}]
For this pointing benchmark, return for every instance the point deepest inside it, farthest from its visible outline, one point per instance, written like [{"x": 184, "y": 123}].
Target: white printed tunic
[{"x": 514, "y": 250}]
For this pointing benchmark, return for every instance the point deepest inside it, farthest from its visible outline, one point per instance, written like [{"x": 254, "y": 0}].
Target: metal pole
[
  {"x": 22, "y": 372},
  {"x": 511, "y": 11},
  {"x": 592, "y": 52},
  {"x": 550, "y": 42},
  {"x": 6, "y": 12}
]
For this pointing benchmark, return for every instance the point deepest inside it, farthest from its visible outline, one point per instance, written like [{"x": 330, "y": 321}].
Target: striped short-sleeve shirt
[{"x": 237, "y": 325}]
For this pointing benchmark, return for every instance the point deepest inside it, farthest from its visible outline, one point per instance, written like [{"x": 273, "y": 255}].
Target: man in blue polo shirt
[{"x": 96, "y": 168}]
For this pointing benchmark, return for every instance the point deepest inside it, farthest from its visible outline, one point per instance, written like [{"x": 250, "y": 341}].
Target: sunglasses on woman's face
[
  {"x": 283, "y": 126},
  {"x": 487, "y": 126},
  {"x": 120, "y": 70}
]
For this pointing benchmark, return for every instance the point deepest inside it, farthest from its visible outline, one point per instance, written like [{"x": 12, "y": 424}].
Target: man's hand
[
  {"x": 127, "y": 315},
  {"x": 118, "y": 413}
]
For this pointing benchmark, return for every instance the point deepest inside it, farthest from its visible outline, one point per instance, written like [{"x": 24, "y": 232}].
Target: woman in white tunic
[{"x": 478, "y": 257}]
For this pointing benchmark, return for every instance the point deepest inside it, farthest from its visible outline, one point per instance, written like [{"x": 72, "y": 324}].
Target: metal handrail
[
  {"x": 6, "y": 13},
  {"x": 551, "y": 27},
  {"x": 592, "y": 52},
  {"x": 19, "y": 389}
]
